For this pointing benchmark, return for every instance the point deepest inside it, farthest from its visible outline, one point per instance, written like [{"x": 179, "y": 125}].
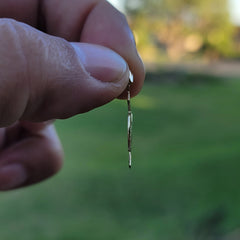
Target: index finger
[{"x": 108, "y": 27}]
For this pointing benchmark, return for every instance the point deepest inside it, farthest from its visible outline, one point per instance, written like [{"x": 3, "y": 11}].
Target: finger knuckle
[
  {"x": 10, "y": 39},
  {"x": 12, "y": 75}
]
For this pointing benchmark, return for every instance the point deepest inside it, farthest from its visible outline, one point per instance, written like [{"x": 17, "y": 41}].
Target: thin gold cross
[{"x": 130, "y": 120}]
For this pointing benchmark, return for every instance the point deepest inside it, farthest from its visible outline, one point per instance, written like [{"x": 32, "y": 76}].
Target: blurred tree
[{"x": 183, "y": 28}]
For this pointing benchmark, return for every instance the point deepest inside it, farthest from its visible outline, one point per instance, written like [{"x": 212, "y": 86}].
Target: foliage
[{"x": 184, "y": 28}]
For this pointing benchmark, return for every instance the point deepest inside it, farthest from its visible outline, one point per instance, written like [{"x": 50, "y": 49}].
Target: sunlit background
[
  {"x": 184, "y": 184},
  {"x": 184, "y": 31}
]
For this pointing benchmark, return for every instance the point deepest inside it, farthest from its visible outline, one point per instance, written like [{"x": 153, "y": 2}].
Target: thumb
[{"x": 45, "y": 77}]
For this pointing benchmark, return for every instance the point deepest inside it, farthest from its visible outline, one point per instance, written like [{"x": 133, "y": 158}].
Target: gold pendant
[{"x": 129, "y": 120}]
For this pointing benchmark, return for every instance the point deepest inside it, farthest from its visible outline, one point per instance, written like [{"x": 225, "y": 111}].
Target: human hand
[{"x": 65, "y": 69}]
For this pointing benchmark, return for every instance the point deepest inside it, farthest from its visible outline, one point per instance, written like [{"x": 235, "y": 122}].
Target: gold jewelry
[{"x": 130, "y": 120}]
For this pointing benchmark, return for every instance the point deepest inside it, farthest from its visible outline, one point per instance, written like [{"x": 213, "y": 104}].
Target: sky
[
  {"x": 234, "y": 8},
  {"x": 118, "y": 4}
]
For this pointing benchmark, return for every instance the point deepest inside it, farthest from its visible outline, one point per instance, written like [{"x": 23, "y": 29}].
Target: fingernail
[
  {"x": 12, "y": 176},
  {"x": 100, "y": 62}
]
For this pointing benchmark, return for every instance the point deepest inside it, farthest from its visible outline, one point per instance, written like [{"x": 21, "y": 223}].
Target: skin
[{"x": 43, "y": 79}]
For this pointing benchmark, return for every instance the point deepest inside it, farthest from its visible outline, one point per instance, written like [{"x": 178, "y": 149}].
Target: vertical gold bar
[{"x": 129, "y": 120}]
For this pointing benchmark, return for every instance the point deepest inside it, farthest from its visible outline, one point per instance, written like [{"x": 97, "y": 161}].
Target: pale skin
[{"x": 49, "y": 72}]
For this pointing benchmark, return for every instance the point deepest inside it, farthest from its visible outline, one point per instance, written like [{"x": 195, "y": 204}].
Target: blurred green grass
[{"x": 184, "y": 184}]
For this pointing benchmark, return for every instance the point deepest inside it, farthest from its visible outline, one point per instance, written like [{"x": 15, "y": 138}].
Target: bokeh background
[{"x": 184, "y": 184}]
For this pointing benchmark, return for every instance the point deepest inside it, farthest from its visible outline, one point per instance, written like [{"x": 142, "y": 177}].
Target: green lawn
[{"x": 184, "y": 184}]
